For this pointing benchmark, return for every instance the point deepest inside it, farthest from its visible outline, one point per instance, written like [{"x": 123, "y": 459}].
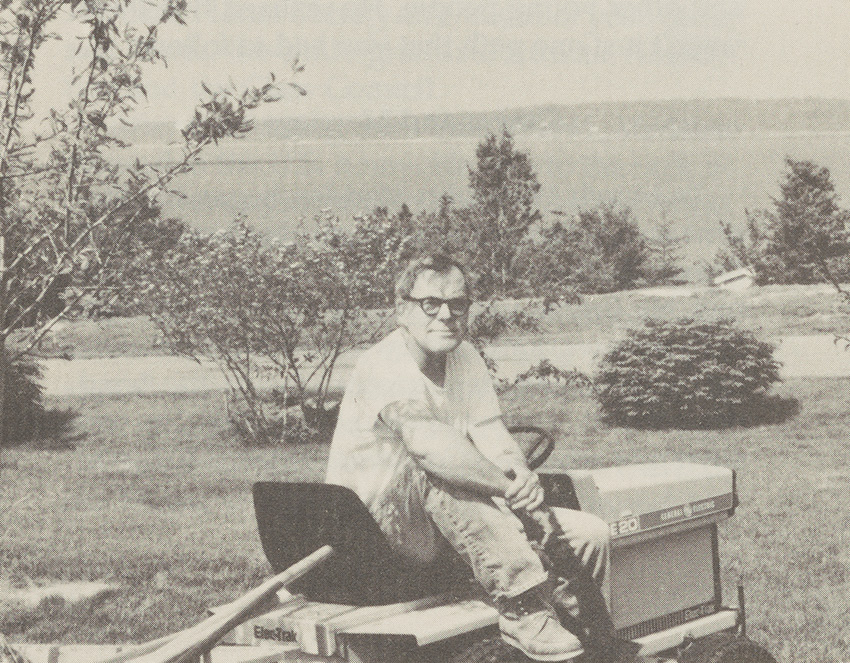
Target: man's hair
[{"x": 434, "y": 262}]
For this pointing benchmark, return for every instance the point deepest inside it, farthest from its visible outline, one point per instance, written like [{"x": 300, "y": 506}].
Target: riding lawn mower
[{"x": 366, "y": 604}]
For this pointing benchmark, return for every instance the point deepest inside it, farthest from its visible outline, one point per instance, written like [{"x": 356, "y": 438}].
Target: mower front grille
[{"x": 666, "y": 621}]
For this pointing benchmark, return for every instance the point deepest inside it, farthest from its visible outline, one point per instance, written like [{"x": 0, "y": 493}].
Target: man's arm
[
  {"x": 444, "y": 452},
  {"x": 494, "y": 440}
]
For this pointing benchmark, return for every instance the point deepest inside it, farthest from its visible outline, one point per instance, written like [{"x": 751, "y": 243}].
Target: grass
[
  {"x": 156, "y": 500},
  {"x": 769, "y": 312}
]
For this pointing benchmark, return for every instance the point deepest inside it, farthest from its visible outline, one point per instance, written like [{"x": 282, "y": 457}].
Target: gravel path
[{"x": 802, "y": 356}]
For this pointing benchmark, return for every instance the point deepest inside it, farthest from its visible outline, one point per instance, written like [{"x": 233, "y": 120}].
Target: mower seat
[{"x": 294, "y": 519}]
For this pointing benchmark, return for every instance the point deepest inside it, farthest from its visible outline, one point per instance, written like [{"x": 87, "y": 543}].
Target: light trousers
[{"x": 420, "y": 515}]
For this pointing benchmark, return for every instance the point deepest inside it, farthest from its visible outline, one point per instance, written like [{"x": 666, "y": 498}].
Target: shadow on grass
[
  {"x": 51, "y": 430},
  {"x": 768, "y": 410},
  {"x": 50, "y": 618}
]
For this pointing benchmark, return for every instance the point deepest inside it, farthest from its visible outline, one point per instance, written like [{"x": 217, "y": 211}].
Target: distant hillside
[{"x": 640, "y": 117}]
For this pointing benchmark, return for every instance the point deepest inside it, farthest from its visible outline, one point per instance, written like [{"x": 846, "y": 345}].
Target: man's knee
[
  {"x": 588, "y": 536},
  {"x": 597, "y": 532},
  {"x": 581, "y": 524},
  {"x": 490, "y": 539}
]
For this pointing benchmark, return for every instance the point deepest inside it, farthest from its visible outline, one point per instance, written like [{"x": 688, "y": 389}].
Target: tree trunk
[{"x": 3, "y": 368}]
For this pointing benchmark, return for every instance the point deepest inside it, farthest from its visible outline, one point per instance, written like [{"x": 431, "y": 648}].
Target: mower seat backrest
[{"x": 294, "y": 519}]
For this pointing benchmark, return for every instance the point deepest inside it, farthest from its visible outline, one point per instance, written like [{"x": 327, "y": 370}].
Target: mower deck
[{"x": 317, "y": 634}]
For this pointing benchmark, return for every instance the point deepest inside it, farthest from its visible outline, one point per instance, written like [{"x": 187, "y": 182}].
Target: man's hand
[{"x": 525, "y": 492}]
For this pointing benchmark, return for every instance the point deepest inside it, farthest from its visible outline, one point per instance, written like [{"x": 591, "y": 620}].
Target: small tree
[
  {"x": 808, "y": 230},
  {"x": 599, "y": 250},
  {"x": 283, "y": 310},
  {"x": 805, "y": 239},
  {"x": 665, "y": 247},
  {"x": 503, "y": 188},
  {"x": 203, "y": 295},
  {"x": 65, "y": 216}
]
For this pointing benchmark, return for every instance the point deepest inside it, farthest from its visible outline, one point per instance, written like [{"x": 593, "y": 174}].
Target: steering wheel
[{"x": 536, "y": 443}]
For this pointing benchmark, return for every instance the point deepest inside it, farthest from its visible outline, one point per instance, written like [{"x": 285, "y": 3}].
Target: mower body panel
[
  {"x": 662, "y": 517},
  {"x": 652, "y": 497}
]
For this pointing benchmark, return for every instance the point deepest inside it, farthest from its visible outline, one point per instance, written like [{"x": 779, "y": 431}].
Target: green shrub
[
  {"x": 598, "y": 250},
  {"x": 688, "y": 374},
  {"x": 22, "y": 408}
]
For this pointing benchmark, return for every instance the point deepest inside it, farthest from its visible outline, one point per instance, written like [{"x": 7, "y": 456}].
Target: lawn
[
  {"x": 769, "y": 312},
  {"x": 156, "y": 500}
]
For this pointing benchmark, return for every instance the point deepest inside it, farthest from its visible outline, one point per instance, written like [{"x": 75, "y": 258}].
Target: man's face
[{"x": 443, "y": 332}]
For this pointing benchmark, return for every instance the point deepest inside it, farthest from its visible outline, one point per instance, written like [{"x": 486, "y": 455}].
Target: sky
[{"x": 366, "y": 58}]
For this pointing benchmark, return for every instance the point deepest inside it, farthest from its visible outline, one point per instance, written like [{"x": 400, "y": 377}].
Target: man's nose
[{"x": 445, "y": 312}]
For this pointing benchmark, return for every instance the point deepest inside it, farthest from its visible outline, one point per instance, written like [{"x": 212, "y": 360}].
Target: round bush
[{"x": 687, "y": 374}]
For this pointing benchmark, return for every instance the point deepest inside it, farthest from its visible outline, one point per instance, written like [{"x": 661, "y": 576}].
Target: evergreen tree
[
  {"x": 503, "y": 187},
  {"x": 804, "y": 239},
  {"x": 665, "y": 248},
  {"x": 808, "y": 229}
]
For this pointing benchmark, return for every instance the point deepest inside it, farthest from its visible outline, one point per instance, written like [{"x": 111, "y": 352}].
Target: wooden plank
[
  {"x": 305, "y": 622},
  {"x": 36, "y": 653},
  {"x": 193, "y": 642},
  {"x": 315, "y": 625},
  {"x": 433, "y": 624},
  {"x": 128, "y": 652},
  {"x": 289, "y": 653},
  {"x": 329, "y": 629},
  {"x": 244, "y": 634}
]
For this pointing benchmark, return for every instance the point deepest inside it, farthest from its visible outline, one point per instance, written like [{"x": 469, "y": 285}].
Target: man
[{"x": 420, "y": 439}]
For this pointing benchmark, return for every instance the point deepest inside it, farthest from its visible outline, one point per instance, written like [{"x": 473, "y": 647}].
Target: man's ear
[{"x": 400, "y": 310}]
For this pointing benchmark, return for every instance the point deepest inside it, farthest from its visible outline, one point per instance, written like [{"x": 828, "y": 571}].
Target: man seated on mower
[{"x": 421, "y": 440}]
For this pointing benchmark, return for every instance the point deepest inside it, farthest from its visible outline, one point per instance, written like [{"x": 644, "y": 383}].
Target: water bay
[{"x": 696, "y": 180}]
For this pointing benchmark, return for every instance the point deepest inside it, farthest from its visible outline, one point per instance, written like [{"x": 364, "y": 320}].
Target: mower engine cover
[{"x": 637, "y": 499}]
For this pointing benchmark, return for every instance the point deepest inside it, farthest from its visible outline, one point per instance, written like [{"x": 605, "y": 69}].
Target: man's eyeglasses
[{"x": 432, "y": 305}]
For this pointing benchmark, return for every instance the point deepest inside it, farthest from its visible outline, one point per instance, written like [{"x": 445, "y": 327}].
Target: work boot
[{"x": 529, "y": 623}]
